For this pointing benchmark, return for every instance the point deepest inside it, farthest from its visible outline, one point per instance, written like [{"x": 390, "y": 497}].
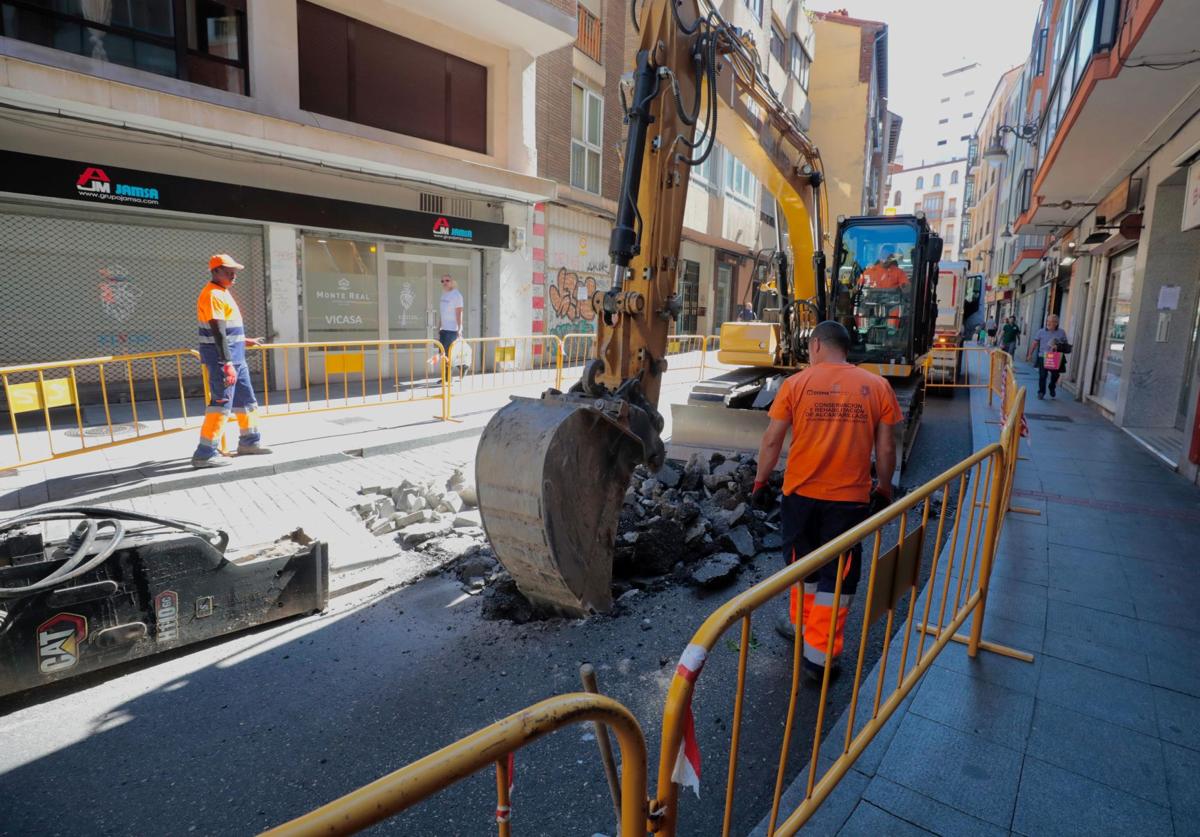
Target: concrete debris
[
  {"x": 668, "y": 476},
  {"x": 469, "y": 497},
  {"x": 402, "y": 520},
  {"x": 649, "y": 488},
  {"x": 420, "y": 532},
  {"x": 384, "y": 507},
  {"x": 468, "y": 519},
  {"x": 716, "y": 571},
  {"x": 451, "y": 502},
  {"x": 457, "y": 481},
  {"x": 740, "y": 541},
  {"x": 450, "y": 548},
  {"x": 772, "y": 540},
  {"x": 726, "y": 469}
]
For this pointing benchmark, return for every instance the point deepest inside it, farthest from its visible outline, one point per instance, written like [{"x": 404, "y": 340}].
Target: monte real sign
[{"x": 98, "y": 183}]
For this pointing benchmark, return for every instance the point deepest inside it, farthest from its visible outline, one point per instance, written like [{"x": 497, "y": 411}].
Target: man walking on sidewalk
[
  {"x": 223, "y": 343},
  {"x": 838, "y": 413},
  {"x": 1048, "y": 339},
  {"x": 450, "y": 328}
]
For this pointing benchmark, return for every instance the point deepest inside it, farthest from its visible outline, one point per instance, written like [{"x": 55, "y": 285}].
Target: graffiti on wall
[{"x": 577, "y": 266}]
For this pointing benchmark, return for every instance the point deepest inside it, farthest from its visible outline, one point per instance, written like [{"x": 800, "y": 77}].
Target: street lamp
[
  {"x": 1007, "y": 234},
  {"x": 996, "y": 152}
]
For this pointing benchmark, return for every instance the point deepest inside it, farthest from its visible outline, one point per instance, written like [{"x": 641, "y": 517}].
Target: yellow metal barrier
[
  {"x": 480, "y": 364},
  {"x": 409, "y": 785},
  {"x": 959, "y": 367},
  {"x": 129, "y": 389},
  {"x": 686, "y": 351},
  {"x": 977, "y": 490},
  {"x": 296, "y": 378},
  {"x": 577, "y": 349}
]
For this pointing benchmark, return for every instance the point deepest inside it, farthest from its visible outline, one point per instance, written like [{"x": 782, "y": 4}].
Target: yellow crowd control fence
[
  {"x": 959, "y": 367},
  {"x": 481, "y": 364},
  {"x": 409, "y": 785},
  {"x": 951, "y": 524},
  {"x": 293, "y": 378},
  {"x": 69, "y": 407}
]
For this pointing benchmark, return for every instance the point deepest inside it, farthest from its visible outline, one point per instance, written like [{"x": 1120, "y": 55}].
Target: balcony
[
  {"x": 1102, "y": 107},
  {"x": 1028, "y": 250},
  {"x": 534, "y": 26},
  {"x": 589, "y": 40}
]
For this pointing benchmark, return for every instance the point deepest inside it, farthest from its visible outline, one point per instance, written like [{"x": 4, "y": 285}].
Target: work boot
[
  {"x": 252, "y": 450},
  {"x": 815, "y": 674},
  {"x": 211, "y": 462},
  {"x": 786, "y": 628}
]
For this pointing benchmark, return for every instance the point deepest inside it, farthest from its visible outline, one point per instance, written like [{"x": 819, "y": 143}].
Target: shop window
[
  {"x": 801, "y": 63},
  {"x": 689, "y": 296},
  {"x": 201, "y": 41},
  {"x": 587, "y": 128},
  {"x": 353, "y": 71}
]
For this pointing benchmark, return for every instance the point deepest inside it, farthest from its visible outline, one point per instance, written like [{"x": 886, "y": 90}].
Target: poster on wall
[
  {"x": 1191, "y": 198},
  {"x": 576, "y": 267}
]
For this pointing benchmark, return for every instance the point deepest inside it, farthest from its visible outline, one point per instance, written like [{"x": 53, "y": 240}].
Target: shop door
[
  {"x": 412, "y": 291},
  {"x": 689, "y": 295},
  {"x": 1117, "y": 304},
  {"x": 724, "y": 289}
]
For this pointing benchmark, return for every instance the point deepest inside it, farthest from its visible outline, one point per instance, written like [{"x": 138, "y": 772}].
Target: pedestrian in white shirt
[{"x": 451, "y": 314}]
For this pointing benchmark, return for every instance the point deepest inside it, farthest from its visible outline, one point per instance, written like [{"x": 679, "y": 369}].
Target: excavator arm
[{"x": 552, "y": 472}]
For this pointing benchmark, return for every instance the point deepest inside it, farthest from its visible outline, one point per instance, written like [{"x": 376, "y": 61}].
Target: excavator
[{"x": 552, "y": 472}]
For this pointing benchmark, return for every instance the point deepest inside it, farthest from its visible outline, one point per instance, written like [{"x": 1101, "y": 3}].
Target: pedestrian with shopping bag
[{"x": 1050, "y": 346}]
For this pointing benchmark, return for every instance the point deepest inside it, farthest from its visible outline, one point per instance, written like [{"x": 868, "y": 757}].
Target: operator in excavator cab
[{"x": 885, "y": 274}]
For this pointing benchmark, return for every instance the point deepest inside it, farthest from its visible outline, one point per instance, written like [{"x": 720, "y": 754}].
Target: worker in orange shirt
[
  {"x": 837, "y": 414},
  {"x": 885, "y": 274},
  {"x": 223, "y": 343}
]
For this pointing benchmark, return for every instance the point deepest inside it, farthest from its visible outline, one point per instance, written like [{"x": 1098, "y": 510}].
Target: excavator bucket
[{"x": 551, "y": 475}]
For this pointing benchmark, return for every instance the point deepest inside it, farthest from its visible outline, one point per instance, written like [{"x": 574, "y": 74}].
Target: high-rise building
[{"x": 960, "y": 94}]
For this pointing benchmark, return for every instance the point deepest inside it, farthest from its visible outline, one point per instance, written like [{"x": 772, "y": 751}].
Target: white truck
[{"x": 958, "y": 296}]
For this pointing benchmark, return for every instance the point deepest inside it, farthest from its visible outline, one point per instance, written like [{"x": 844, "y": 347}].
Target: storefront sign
[
  {"x": 97, "y": 182},
  {"x": 1003, "y": 280},
  {"x": 1191, "y": 198}
]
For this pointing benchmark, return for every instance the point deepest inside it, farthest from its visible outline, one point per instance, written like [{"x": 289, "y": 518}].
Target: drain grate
[
  {"x": 1048, "y": 417},
  {"x": 117, "y": 429}
]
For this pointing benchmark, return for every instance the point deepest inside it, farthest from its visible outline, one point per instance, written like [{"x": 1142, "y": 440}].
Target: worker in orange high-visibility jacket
[
  {"x": 223, "y": 343},
  {"x": 837, "y": 414}
]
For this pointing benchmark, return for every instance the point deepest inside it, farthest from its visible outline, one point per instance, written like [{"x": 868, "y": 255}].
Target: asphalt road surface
[{"x": 241, "y": 735}]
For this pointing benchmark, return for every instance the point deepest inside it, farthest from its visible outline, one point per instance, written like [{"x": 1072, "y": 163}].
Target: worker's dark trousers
[
  {"x": 809, "y": 523},
  {"x": 1052, "y": 374}
]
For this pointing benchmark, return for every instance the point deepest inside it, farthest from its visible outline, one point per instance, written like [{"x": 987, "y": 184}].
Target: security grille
[{"x": 72, "y": 286}]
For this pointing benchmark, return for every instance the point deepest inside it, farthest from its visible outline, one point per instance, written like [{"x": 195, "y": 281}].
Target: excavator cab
[{"x": 884, "y": 276}]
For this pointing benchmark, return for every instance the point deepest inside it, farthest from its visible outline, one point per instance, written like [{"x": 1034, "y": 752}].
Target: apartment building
[
  {"x": 1105, "y": 163},
  {"x": 349, "y": 153},
  {"x": 937, "y": 190},
  {"x": 959, "y": 91},
  {"x": 850, "y": 118}
]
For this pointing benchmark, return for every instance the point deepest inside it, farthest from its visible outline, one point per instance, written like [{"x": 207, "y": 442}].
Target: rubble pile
[{"x": 687, "y": 523}]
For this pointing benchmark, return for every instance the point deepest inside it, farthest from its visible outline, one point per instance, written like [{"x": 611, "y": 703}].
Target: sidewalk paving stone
[
  {"x": 1060, "y": 802},
  {"x": 925, "y": 812}
]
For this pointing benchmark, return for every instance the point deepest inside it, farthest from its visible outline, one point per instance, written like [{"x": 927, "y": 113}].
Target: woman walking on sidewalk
[{"x": 1049, "y": 339}]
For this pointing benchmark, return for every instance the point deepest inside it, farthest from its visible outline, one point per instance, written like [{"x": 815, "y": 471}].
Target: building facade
[
  {"x": 1106, "y": 189},
  {"x": 348, "y": 153},
  {"x": 850, "y": 118},
  {"x": 959, "y": 92},
  {"x": 937, "y": 190}
]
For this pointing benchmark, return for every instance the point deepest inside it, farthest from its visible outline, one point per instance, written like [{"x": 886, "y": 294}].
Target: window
[
  {"x": 968, "y": 115},
  {"x": 351, "y": 70},
  {"x": 944, "y": 100},
  {"x": 937, "y": 180},
  {"x": 933, "y": 204},
  {"x": 941, "y": 142},
  {"x": 965, "y": 138},
  {"x": 778, "y": 46},
  {"x": 739, "y": 182},
  {"x": 896, "y": 200},
  {"x": 202, "y": 41},
  {"x": 948, "y": 236},
  {"x": 704, "y": 173},
  {"x": 1039, "y": 52},
  {"x": 969, "y": 93},
  {"x": 952, "y": 207},
  {"x": 943, "y": 121},
  {"x": 1025, "y": 190},
  {"x": 801, "y": 63},
  {"x": 920, "y": 183},
  {"x": 688, "y": 289},
  {"x": 587, "y": 129},
  {"x": 953, "y": 177},
  {"x": 755, "y": 6}
]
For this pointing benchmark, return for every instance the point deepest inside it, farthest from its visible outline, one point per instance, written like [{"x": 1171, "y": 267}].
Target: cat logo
[
  {"x": 59, "y": 638},
  {"x": 166, "y": 611}
]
